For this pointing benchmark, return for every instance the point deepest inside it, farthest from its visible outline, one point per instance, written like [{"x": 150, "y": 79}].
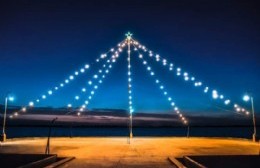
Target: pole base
[
  {"x": 3, "y": 137},
  {"x": 254, "y": 137},
  {"x": 131, "y": 135}
]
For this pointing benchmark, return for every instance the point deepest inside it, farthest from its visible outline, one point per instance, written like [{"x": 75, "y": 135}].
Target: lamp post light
[
  {"x": 250, "y": 98},
  {"x": 7, "y": 98}
]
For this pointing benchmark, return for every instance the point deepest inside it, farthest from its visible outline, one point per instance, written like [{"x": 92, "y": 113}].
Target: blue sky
[{"x": 42, "y": 43}]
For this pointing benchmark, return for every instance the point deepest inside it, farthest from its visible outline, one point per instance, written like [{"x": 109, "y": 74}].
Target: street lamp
[
  {"x": 7, "y": 98},
  {"x": 250, "y": 98}
]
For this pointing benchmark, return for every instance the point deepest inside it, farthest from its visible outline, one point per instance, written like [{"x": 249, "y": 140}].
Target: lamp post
[
  {"x": 10, "y": 98},
  {"x": 250, "y": 98}
]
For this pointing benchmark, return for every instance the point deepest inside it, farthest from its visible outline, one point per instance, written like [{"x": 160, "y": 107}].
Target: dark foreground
[{"x": 140, "y": 152}]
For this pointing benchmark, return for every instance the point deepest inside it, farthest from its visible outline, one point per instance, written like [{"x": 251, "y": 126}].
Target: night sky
[{"x": 43, "y": 42}]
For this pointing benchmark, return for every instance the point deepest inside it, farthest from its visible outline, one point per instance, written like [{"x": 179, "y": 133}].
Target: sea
[{"x": 63, "y": 131}]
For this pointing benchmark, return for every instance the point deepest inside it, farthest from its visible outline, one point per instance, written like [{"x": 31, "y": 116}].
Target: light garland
[
  {"x": 187, "y": 78},
  {"x": 163, "y": 89},
  {"x": 100, "y": 78},
  {"x": 70, "y": 78}
]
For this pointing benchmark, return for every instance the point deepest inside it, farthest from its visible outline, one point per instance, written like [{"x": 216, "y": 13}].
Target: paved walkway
[{"x": 141, "y": 152}]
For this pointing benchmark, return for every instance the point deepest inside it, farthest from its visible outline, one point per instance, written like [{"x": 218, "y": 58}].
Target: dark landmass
[{"x": 42, "y": 116}]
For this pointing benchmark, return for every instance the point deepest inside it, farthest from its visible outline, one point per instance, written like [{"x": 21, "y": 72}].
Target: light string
[
  {"x": 187, "y": 77},
  {"x": 68, "y": 80},
  {"x": 100, "y": 81},
  {"x": 162, "y": 89}
]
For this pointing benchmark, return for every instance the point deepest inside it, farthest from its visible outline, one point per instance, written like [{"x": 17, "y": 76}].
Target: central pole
[
  {"x": 254, "y": 123},
  {"x": 3, "y": 137},
  {"x": 129, "y": 88}
]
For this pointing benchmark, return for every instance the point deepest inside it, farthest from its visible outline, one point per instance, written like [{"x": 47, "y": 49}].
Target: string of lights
[
  {"x": 100, "y": 72},
  {"x": 187, "y": 77},
  {"x": 99, "y": 79},
  {"x": 68, "y": 80},
  {"x": 162, "y": 88}
]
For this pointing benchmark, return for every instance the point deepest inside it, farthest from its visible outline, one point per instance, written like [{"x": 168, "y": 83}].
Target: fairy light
[
  {"x": 31, "y": 104},
  {"x": 97, "y": 80},
  {"x": 186, "y": 78},
  {"x": 151, "y": 54},
  {"x": 172, "y": 104}
]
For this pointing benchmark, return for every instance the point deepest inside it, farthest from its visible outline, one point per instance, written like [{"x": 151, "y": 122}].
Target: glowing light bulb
[
  {"x": 169, "y": 99},
  {"x": 161, "y": 87},
  {"x": 56, "y": 88},
  {"x": 76, "y": 73},
  {"x": 157, "y": 81},
  {"x": 246, "y": 98},
  {"x": 84, "y": 90},
  {"x": 66, "y": 81},
  {"x": 87, "y": 66},
  {"x": 176, "y": 108},
  {"x": 90, "y": 82},
  {"x": 172, "y": 104},
  {"x": 221, "y": 97},
  {"x": 95, "y": 87},
  {"x": 23, "y": 109},
  {"x": 86, "y": 102},
  {"x": 69, "y": 105},
  {"x": 95, "y": 76},
  {"x": 77, "y": 97},
  {"x": 61, "y": 85},
  {"x": 178, "y": 69},
  {"x": 43, "y": 97},
  {"x": 214, "y": 94},
  {"x": 192, "y": 78},
  {"x": 15, "y": 114},
  {"x": 50, "y": 92},
  {"x": 82, "y": 70},
  {"x": 78, "y": 113},
  {"x": 186, "y": 78},
  {"x": 31, "y": 103},
  {"x": 71, "y": 77},
  {"x": 37, "y": 100},
  {"x": 92, "y": 92},
  {"x": 185, "y": 74},
  {"x": 227, "y": 102},
  {"x": 165, "y": 93},
  {"x": 140, "y": 56},
  {"x": 152, "y": 73}
]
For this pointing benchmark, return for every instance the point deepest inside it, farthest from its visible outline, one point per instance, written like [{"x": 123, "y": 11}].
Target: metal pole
[
  {"x": 47, "y": 149},
  {"x": 253, "y": 115},
  {"x": 130, "y": 112},
  {"x": 188, "y": 131},
  {"x": 6, "y": 99}
]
